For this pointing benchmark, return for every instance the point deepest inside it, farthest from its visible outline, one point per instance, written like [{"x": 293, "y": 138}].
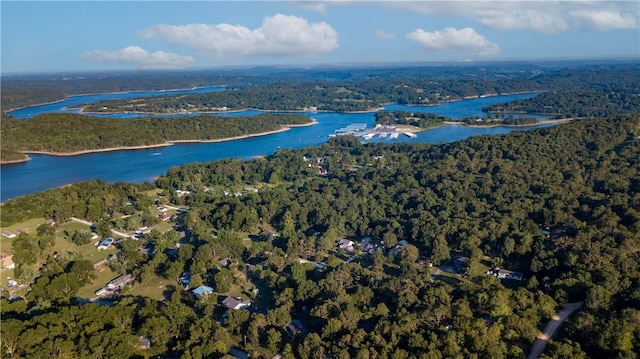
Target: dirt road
[{"x": 552, "y": 326}]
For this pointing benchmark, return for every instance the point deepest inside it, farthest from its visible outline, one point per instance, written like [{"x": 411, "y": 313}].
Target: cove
[{"x": 46, "y": 171}]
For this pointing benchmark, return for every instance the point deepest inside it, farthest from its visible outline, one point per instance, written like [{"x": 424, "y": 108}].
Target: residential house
[
  {"x": 294, "y": 327},
  {"x": 120, "y": 282},
  {"x": 202, "y": 290},
  {"x": 505, "y": 274},
  {"x": 7, "y": 261},
  {"x": 8, "y": 234},
  {"x": 345, "y": 244},
  {"x": 235, "y": 303},
  {"x": 166, "y": 216}
]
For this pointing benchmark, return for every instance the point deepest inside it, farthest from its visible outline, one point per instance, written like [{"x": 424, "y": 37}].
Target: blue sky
[{"x": 56, "y": 36}]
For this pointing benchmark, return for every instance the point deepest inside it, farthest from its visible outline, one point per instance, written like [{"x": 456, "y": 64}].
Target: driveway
[{"x": 552, "y": 326}]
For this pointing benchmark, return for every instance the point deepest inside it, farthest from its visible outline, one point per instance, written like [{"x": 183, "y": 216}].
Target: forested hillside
[
  {"x": 561, "y": 205},
  {"x": 426, "y": 87},
  {"x": 67, "y": 133},
  {"x": 579, "y": 103}
]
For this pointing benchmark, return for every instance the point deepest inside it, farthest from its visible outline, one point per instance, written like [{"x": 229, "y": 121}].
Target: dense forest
[
  {"x": 336, "y": 89},
  {"x": 578, "y": 103},
  {"x": 370, "y": 93},
  {"x": 561, "y": 205},
  {"x": 66, "y": 133}
]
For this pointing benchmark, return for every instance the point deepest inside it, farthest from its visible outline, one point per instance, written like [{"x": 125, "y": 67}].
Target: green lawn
[
  {"x": 28, "y": 226},
  {"x": 5, "y": 274},
  {"x": 158, "y": 288},
  {"x": 103, "y": 277}
]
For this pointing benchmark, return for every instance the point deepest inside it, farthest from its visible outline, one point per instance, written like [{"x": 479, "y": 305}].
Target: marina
[{"x": 381, "y": 131}]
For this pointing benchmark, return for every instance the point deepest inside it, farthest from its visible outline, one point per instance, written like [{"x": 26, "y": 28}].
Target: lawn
[
  {"x": 87, "y": 251},
  {"x": 102, "y": 278},
  {"x": 158, "y": 288},
  {"x": 28, "y": 226}
]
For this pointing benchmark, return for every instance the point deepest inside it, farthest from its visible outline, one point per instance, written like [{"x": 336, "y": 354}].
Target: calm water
[{"x": 45, "y": 171}]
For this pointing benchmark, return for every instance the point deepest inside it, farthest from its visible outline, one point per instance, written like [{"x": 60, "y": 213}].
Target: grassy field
[
  {"x": 28, "y": 226},
  {"x": 103, "y": 277},
  {"x": 158, "y": 288},
  {"x": 87, "y": 251}
]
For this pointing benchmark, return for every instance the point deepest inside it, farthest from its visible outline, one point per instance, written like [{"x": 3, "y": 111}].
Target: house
[
  {"x": 166, "y": 216},
  {"x": 8, "y": 234},
  {"x": 202, "y": 291},
  {"x": 120, "y": 282},
  {"x": 505, "y": 274},
  {"x": 235, "y": 303},
  {"x": 294, "y": 327},
  {"x": 7, "y": 261},
  {"x": 345, "y": 244},
  {"x": 105, "y": 244}
]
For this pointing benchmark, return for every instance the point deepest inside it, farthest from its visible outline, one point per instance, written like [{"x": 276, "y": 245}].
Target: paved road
[
  {"x": 552, "y": 326},
  {"x": 121, "y": 234}
]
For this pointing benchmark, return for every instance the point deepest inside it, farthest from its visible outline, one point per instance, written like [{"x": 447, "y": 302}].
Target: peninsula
[{"x": 72, "y": 134}]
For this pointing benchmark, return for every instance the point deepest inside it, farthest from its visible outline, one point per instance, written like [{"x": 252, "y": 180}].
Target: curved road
[
  {"x": 121, "y": 234},
  {"x": 552, "y": 326}
]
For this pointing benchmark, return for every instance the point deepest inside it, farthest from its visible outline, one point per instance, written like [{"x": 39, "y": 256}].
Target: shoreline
[
  {"x": 106, "y": 93},
  {"x": 158, "y": 145},
  {"x": 89, "y": 113},
  {"x": 559, "y": 121},
  {"x": 379, "y": 108}
]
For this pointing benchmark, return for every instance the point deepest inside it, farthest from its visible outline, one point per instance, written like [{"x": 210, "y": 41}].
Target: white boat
[
  {"x": 368, "y": 136},
  {"x": 394, "y": 135},
  {"x": 410, "y": 135},
  {"x": 383, "y": 134}
]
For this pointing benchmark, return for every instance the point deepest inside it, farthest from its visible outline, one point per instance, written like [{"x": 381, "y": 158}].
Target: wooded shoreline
[{"x": 167, "y": 143}]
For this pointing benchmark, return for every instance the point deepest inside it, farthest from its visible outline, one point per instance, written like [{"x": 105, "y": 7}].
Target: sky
[{"x": 77, "y": 36}]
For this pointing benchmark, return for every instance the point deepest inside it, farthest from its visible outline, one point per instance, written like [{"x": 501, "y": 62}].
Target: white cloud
[
  {"x": 316, "y": 6},
  {"x": 140, "y": 57},
  {"x": 384, "y": 35},
  {"x": 540, "y": 16},
  {"x": 605, "y": 19},
  {"x": 465, "y": 41},
  {"x": 503, "y": 15},
  {"x": 279, "y": 36}
]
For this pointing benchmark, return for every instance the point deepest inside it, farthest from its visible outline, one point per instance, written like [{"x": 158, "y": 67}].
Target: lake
[{"x": 46, "y": 171}]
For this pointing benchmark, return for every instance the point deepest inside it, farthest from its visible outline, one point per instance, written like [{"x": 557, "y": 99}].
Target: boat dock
[{"x": 354, "y": 129}]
